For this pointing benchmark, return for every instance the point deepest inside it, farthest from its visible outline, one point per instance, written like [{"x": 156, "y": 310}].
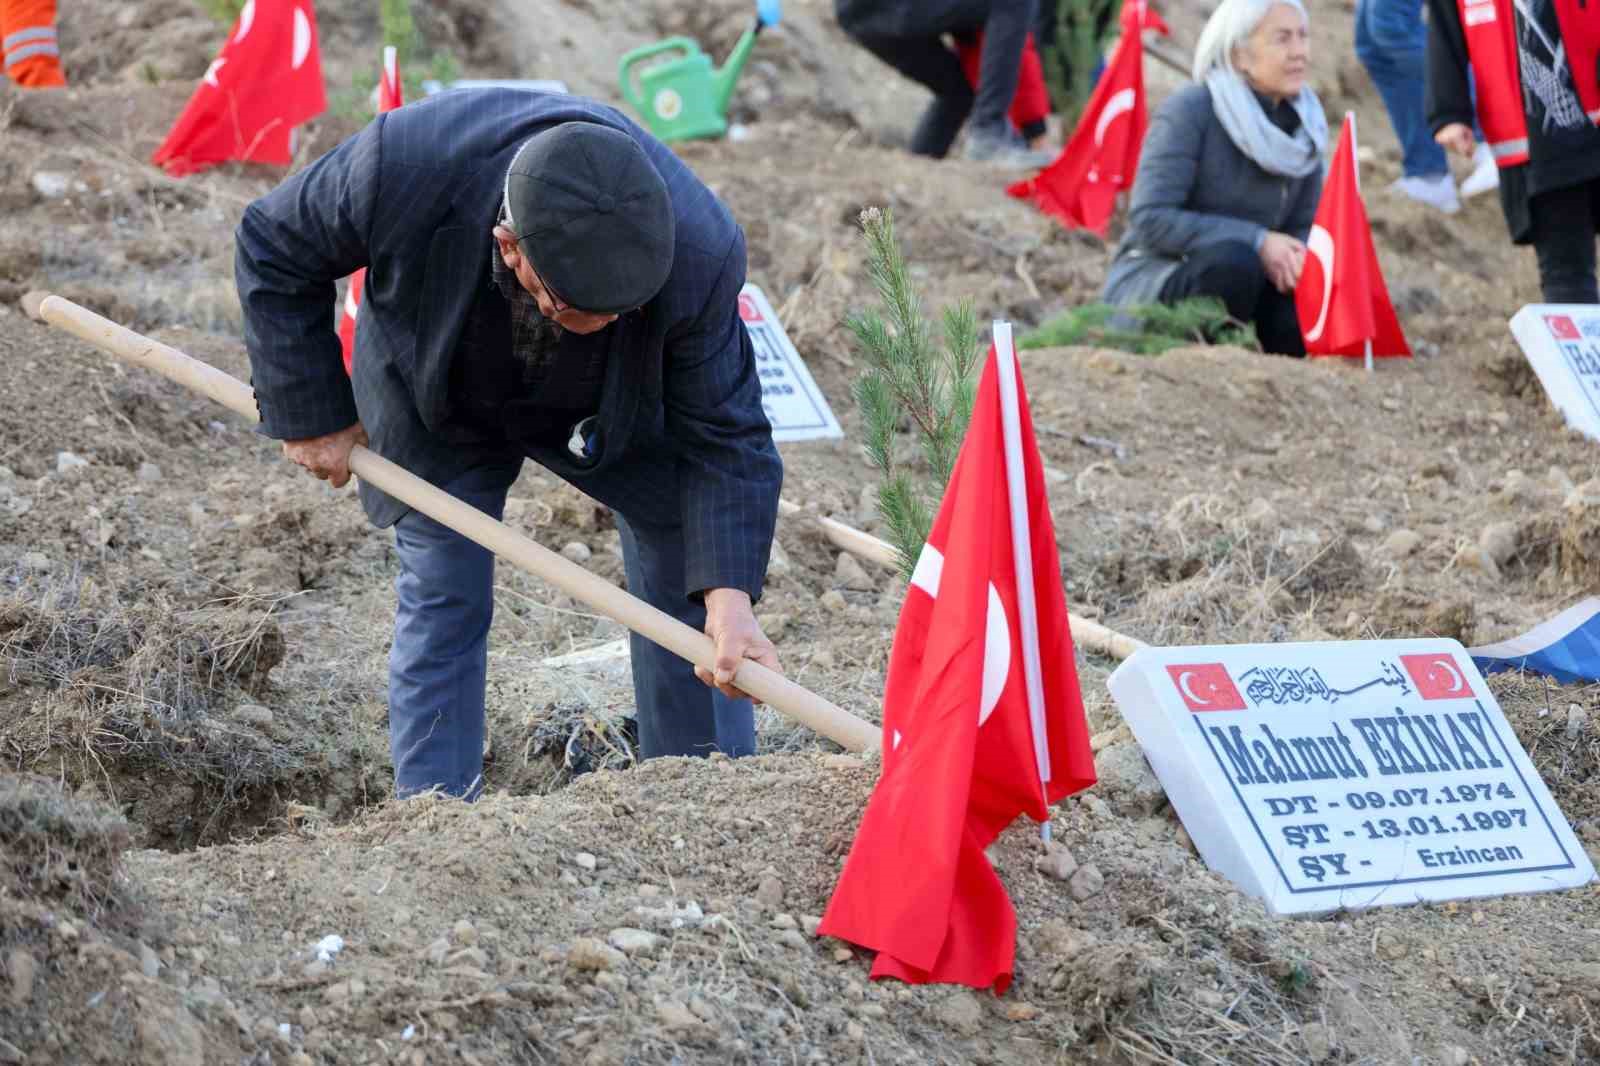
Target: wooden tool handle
[{"x": 772, "y": 688}]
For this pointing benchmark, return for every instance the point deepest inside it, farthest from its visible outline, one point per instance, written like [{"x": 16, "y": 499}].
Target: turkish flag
[
  {"x": 391, "y": 94},
  {"x": 266, "y": 81},
  {"x": 1206, "y": 687},
  {"x": 1138, "y": 16},
  {"x": 1341, "y": 296},
  {"x": 982, "y": 717},
  {"x": 1437, "y": 676},
  {"x": 1080, "y": 188}
]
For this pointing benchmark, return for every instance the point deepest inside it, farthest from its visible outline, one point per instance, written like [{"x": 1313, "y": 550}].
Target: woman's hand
[
  {"x": 1456, "y": 137},
  {"x": 1282, "y": 256}
]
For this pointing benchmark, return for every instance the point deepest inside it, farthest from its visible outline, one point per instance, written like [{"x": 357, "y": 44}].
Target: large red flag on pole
[
  {"x": 391, "y": 94},
  {"x": 1341, "y": 297},
  {"x": 266, "y": 80},
  {"x": 1100, "y": 159},
  {"x": 982, "y": 718}
]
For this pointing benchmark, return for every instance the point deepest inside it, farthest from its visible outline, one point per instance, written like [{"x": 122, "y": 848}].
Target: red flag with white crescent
[
  {"x": 1341, "y": 297},
  {"x": 266, "y": 80},
  {"x": 391, "y": 94},
  {"x": 1102, "y": 156},
  {"x": 982, "y": 717}
]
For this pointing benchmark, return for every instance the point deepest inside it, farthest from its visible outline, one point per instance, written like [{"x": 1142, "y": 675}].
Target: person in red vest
[
  {"x": 28, "y": 36},
  {"x": 1537, "y": 69},
  {"x": 1229, "y": 177}
]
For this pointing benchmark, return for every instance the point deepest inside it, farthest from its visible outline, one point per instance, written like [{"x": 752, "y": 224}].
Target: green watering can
[{"x": 686, "y": 97}]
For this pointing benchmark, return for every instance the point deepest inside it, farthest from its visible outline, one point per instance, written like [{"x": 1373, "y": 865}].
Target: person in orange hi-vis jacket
[{"x": 28, "y": 35}]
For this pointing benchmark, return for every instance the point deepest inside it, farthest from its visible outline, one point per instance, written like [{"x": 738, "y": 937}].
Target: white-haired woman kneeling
[{"x": 1230, "y": 176}]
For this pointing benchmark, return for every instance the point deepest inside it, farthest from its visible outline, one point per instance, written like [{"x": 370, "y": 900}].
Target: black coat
[
  {"x": 1570, "y": 157},
  {"x": 413, "y": 198}
]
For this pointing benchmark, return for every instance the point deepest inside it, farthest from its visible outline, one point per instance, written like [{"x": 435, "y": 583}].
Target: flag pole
[
  {"x": 1369, "y": 355},
  {"x": 1355, "y": 167},
  {"x": 1022, "y": 552}
]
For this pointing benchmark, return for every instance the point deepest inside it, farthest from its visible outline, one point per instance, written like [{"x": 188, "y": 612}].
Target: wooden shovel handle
[{"x": 783, "y": 695}]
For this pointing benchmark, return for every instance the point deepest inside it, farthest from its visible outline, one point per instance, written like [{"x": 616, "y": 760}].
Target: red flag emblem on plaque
[
  {"x": 1206, "y": 687},
  {"x": 1437, "y": 676},
  {"x": 1562, "y": 328}
]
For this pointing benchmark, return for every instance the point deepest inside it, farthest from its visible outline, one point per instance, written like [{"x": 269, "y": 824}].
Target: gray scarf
[{"x": 1253, "y": 132}]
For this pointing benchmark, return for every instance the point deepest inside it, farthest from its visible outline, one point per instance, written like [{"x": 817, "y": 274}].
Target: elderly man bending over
[
  {"x": 544, "y": 281},
  {"x": 1230, "y": 175}
]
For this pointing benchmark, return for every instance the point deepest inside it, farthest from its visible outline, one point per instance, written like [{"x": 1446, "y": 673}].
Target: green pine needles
[
  {"x": 910, "y": 379},
  {"x": 1070, "y": 60},
  {"x": 1148, "y": 329}
]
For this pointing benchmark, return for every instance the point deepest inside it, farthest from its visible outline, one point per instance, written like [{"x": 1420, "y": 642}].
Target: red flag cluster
[
  {"x": 1102, "y": 156},
  {"x": 1342, "y": 300},
  {"x": 266, "y": 80},
  {"x": 391, "y": 95},
  {"x": 983, "y": 719}
]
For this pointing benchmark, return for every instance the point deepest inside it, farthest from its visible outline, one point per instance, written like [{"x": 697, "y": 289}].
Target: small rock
[
  {"x": 35, "y": 562},
  {"x": 849, "y": 573},
  {"x": 822, "y": 659},
  {"x": 1261, "y": 515},
  {"x": 701, "y": 1009},
  {"x": 810, "y": 922},
  {"x": 784, "y": 921},
  {"x": 577, "y": 551},
  {"x": 149, "y": 472},
  {"x": 834, "y": 600},
  {"x": 1391, "y": 947},
  {"x": 149, "y": 962},
  {"x": 316, "y": 969},
  {"x": 51, "y": 184},
  {"x": 631, "y": 941},
  {"x": 843, "y": 954},
  {"x": 1127, "y": 782},
  {"x": 1499, "y": 542},
  {"x": 773, "y": 625},
  {"x": 1559, "y": 482},
  {"x": 960, "y": 1012},
  {"x": 1086, "y": 883},
  {"x": 14, "y": 504},
  {"x": 69, "y": 932},
  {"x": 1056, "y": 862},
  {"x": 20, "y": 970},
  {"x": 1319, "y": 1041},
  {"x": 1021, "y": 1012},
  {"x": 1577, "y": 719},
  {"x": 585, "y": 861},
  {"x": 1456, "y": 1055},
  {"x": 778, "y": 565},
  {"x": 854, "y": 1031},
  {"x": 464, "y": 932},
  {"x": 300, "y": 1058},
  {"x": 475, "y": 958},
  {"x": 66, "y": 461},
  {"x": 438, "y": 951},
  {"x": 590, "y": 955},
  {"x": 769, "y": 893},
  {"x": 675, "y": 1015},
  {"x": 792, "y": 938},
  {"x": 1401, "y": 543},
  {"x": 253, "y": 714}
]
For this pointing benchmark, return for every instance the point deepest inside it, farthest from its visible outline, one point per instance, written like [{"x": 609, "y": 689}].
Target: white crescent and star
[
  {"x": 302, "y": 38},
  {"x": 247, "y": 18},
  {"x": 1121, "y": 103},
  {"x": 1188, "y": 692},
  {"x": 211, "y": 73},
  {"x": 1457, "y": 682},
  {"x": 1320, "y": 244}
]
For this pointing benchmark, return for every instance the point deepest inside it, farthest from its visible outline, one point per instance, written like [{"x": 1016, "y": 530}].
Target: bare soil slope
[{"x": 193, "y": 758}]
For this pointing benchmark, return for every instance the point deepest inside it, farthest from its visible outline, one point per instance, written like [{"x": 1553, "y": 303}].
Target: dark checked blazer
[{"x": 413, "y": 198}]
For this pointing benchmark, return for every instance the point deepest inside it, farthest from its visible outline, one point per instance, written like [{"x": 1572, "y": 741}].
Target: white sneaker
[
  {"x": 1485, "y": 175},
  {"x": 1439, "y": 192}
]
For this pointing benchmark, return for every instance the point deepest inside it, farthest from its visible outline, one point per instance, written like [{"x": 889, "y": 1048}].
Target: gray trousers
[{"x": 438, "y": 663}]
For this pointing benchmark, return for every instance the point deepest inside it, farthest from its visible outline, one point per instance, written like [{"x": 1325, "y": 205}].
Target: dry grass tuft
[{"x": 57, "y": 848}]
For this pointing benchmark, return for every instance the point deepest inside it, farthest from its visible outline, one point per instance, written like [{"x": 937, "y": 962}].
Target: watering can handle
[{"x": 632, "y": 59}]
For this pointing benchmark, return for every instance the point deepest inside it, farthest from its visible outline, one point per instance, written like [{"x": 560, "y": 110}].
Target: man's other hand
[
  {"x": 731, "y": 625},
  {"x": 327, "y": 457}
]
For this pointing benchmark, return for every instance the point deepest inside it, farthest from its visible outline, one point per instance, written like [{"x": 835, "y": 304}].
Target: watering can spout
[{"x": 727, "y": 75}]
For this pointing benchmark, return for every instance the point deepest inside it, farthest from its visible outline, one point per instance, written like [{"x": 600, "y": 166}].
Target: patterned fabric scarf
[{"x": 534, "y": 338}]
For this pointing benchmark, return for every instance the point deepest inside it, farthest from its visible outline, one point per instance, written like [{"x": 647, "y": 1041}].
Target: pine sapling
[{"x": 910, "y": 380}]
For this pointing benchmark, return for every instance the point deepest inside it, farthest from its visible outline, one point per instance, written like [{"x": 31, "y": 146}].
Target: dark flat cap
[{"x": 592, "y": 215}]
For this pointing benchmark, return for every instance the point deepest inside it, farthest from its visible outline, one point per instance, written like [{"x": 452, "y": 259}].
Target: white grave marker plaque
[
  {"x": 794, "y": 405},
  {"x": 1562, "y": 343},
  {"x": 1351, "y": 774}
]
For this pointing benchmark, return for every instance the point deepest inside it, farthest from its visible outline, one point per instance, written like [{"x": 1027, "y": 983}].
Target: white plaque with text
[
  {"x": 1347, "y": 775},
  {"x": 1562, "y": 344},
  {"x": 794, "y": 405}
]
